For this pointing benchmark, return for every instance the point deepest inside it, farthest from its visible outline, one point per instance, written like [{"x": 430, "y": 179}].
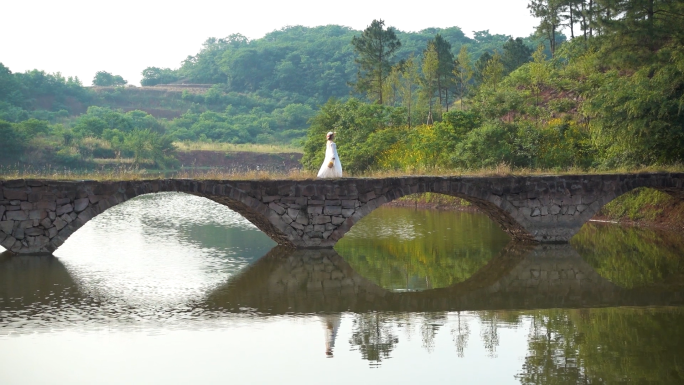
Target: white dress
[{"x": 336, "y": 170}]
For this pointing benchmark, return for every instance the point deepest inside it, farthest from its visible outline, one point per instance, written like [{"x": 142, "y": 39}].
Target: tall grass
[{"x": 125, "y": 171}]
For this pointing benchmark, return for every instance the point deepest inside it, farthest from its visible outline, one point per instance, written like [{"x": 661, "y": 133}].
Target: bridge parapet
[{"x": 39, "y": 215}]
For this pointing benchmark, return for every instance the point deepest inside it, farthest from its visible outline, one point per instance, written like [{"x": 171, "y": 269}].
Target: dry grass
[
  {"x": 132, "y": 172},
  {"x": 229, "y": 147}
]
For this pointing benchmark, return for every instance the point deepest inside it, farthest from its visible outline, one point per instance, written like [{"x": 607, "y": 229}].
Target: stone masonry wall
[{"x": 39, "y": 215}]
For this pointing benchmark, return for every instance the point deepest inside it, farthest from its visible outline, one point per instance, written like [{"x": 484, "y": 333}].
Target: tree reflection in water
[{"x": 623, "y": 325}]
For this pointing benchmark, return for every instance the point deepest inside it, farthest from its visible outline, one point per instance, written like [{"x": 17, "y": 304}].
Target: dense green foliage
[
  {"x": 105, "y": 79},
  {"x": 238, "y": 90},
  {"x": 611, "y": 97}
]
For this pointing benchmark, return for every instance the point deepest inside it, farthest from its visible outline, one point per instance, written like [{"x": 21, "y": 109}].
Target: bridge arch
[
  {"x": 487, "y": 203},
  {"x": 317, "y": 213},
  {"x": 46, "y": 214}
]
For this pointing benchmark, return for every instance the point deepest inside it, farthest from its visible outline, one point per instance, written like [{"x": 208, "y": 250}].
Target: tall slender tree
[
  {"x": 375, "y": 50},
  {"x": 430, "y": 75},
  {"x": 445, "y": 68},
  {"x": 464, "y": 72},
  {"x": 549, "y": 11}
]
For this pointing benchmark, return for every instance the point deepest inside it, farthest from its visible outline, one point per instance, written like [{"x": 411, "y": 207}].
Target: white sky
[{"x": 79, "y": 38}]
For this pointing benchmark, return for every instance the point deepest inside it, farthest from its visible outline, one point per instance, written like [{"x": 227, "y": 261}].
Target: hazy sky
[{"x": 79, "y": 38}]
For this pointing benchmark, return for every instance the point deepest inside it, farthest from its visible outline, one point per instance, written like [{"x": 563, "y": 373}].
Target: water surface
[{"x": 171, "y": 288}]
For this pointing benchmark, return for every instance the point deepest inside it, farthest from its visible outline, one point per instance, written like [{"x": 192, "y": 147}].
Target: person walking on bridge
[{"x": 331, "y": 168}]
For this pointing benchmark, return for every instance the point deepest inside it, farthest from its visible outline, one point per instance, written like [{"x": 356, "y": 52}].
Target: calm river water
[{"x": 175, "y": 289}]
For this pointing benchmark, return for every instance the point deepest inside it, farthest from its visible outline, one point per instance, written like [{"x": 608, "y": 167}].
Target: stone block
[
  {"x": 297, "y": 226},
  {"x": 81, "y": 204},
  {"x": 59, "y": 223},
  {"x": 333, "y": 202},
  {"x": 16, "y": 215},
  {"x": 316, "y": 202},
  {"x": 26, "y": 205},
  {"x": 269, "y": 198},
  {"x": 319, "y": 228},
  {"x": 555, "y": 209},
  {"x": 38, "y": 242},
  {"x": 62, "y": 201},
  {"x": 33, "y": 231},
  {"x": 571, "y": 210},
  {"x": 536, "y": 212},
  {"x": 9, "y": 242},
  {"x": 52, "y": 232},
  {"x": 302, "y": 219},
  {"x": 293, "y": 213},
  {"x": 46, "y": 205},
  {"x": 315, "y": 210},
  {"x": 287, "y": 219},
  {"x": 46, "y": 223},
  {"x": 64, "y": 209},
  {"x": 581, "y": 208},
  {"x": 37, "y": 214},
  {"x": 12, "y": 208},
  {"x": 349, "y": 203},
  {"x": 2, "y": 211},
  {"x": 19, "y": 233},
  {"x": 348, "y": 212},
  {"x": 86, "y": 215},
  {"x": 544, "y": 211},
  {"x": 15, "y": 194},
  {"x": 6, "y": 226},
  {"x": 52, "y": 215},
  {"x": 336, "y": 220},
  {"x": 321, "y": 219},
  {"x": 332, "y": 210}
]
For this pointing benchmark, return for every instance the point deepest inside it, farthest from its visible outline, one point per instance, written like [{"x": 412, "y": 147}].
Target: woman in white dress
[{"x": 331, "y": 168}]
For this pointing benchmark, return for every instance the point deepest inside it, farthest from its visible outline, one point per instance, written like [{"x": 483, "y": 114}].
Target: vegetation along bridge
[{"x": 39, "y": 215}]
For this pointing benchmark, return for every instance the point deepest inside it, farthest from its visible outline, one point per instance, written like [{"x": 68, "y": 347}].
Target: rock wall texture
[{"x": 39, "y": 215}]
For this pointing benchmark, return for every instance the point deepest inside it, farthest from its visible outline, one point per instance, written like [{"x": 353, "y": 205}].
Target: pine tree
[
  {"x": 375, "y": 49},
  {"x": 464, "y": 72}
]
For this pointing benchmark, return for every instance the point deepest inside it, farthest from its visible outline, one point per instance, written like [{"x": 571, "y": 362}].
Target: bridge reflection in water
[
  {"x": 574, "y": 314},
  {"x": 285, "y": 281},
  {"x": 522, "y": 276}
]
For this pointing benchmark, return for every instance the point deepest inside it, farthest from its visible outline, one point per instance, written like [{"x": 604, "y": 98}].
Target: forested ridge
[
  {"x": 252, "y": 91},
  {"x": 611, "y": 95}
]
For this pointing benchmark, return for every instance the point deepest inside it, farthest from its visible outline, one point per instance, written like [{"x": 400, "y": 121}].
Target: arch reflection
[{"x": 521, "y": 276}]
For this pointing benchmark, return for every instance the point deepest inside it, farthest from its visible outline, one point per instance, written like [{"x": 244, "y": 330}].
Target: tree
[
  {"x": 12, "y": 142},
  {"x": 375, "y": 49},
  {"x": 105, "y": 79},
  {"x": 493, "y": 71},
  {"x": 539, "y": 73},
  {"x": 408, "y": 85},
  {"x": 155, "y": 75},
  {"x": 464, "y": 72},
  {"x": 430, "y": 76},
  {"x": 515, "y": 54},
  {"x": 445, "y": 69},
  {"x": 549, "y": 12}
]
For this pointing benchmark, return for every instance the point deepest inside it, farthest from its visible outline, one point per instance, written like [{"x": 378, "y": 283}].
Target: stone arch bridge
[{"x": 39, "y": 215}]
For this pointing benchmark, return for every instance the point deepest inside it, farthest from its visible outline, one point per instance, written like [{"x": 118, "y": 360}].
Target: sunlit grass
[
  {"x": 229, "y": 147},
  {"x": 124, "y": 169}
]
